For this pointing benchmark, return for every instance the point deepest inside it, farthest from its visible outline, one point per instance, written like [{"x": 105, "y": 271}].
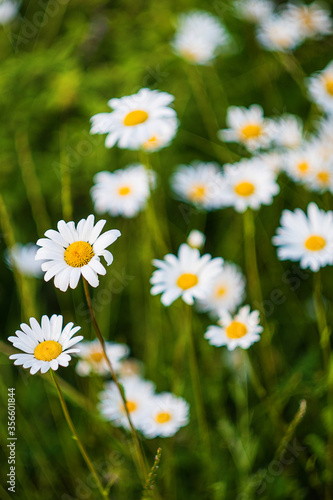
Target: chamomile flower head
[
  {"x": 287, "y": 131},
  {"x": 320, "y": 88},
  {"x": 199, "y": 36},
  {"x": 248, "y": 184},
  {"x": 300, "y": 163},
  {"x": 46, "y": 345},
  {"x": 279, "y": 33},
  {"x": 74, "y": 251},
  {"x": 161, "y": 139},
  {"x": 138, "y": 394},
  {"x": 247, "y": 126},
  {"x": 312, "y": 20},
  {"x": 227, "y": 292},
  {"x": 255, "y": 11},
  {"x": 165, "y": 415},
  {"x": 241, "y": 330},
  {"x": 123, "y": 192},
  {"x": 196, "y": 239},
  {"x": 306, "y": 237},
  {"x": 187, "y": 275},
  {"x": 22, "y": 257},
  {"x": 92, "y": 360},
  {"x": 320, "y": 178},
  {"x": 135, "y": 119},
  {"x": 8, "y": 11},
  {"x": 199, "y": 184}
]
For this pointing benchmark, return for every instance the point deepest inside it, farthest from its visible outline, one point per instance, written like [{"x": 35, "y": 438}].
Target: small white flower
[
  {"x": 272, "y": 160},
  {"x": 300, "y": 163},
  {"x": 287, "y": 131},
  {"x": 92, "y": 358},
  {"x": 122, "y": 192},
  {"x": 241, "y": 330},
  {"x": 199, "y": 36},
  {"x": 307, "y": 238},
  {"x": 227, "y": 292},
  {"x": 135, "y": 119},
  {"x": 247, "y": 126},
  {"x": 248, "y": 183},
  {"x": 196, "y": 239},
  {"x": 161, "y": 139},
  {"x": 165, "y": 415},
  {"x": 255, "y": 11},
  {"x": 71, "y": 252},
  {"x": 138, "y": 394},
  {"x": 312, "y": 20},
  {"x": 22, "y": 257},
  {"x": 199, "y": 184},
  {"x": 8, "y": 11},
  {"x": 188, "y": 275},
  {"x": 46, "y": 345},
  {"x": 320, "y": 87},
  {"x": 279, "y": 33}
]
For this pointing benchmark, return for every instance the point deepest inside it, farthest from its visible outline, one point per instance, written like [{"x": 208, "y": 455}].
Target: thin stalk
[
  {"x": 75, "y": 434},
  {"x": 141, "y": 458},
  {"x": 323, "y": 328}
]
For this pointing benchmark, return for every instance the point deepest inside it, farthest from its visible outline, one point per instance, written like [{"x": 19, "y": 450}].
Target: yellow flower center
[
  {"x": 96, "y": 356},
  {"x": 131, "y": 406},
  {"x": 48, "y": 350},
  {"x": 323, "y": 177},
  {"x": 303, "y": 167},
  {"x": 187, "y": 280},
  {"x": 124, "y": 191},
  {"x": 236, "y": 330},
  {"x": 163, "y": 417},
  {"x": 220, "y": 291},
  {"x": 78, "y": 254},
  {"x": 329, "y": 85},
  {"x": 197, "y": 193},
  {"x": 251, "y": 131},
  {"x": 135, "y": 118},
  {"x": 315, "y": 243},
  {"x": 152, "y": 142},
  {"x": 244, "y": 188}
]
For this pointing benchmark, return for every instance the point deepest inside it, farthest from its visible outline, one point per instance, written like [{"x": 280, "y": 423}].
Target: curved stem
[
  {"x": 79, "y": 442},
  {"x": 142, "y": 462}
]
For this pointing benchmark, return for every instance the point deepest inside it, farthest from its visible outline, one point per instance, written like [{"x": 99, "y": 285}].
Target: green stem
[
  {"x": 80, "y": 445},
  {"x": 143, "y": 470},
  {"x": 321, "y": 318}
]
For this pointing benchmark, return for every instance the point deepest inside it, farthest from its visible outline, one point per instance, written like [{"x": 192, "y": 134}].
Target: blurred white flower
[
  {"x": 241, "y": 330},
  {"x": 22, "y": 257},
  {"x": 189, "y": 275},
  {"x": 307, "y": 238},
  {"x": 320, "y": 87},
  {"x": 255, "y": 11},
  {"x": 8, "y": 11},
  {"x": 135, "y": 119},
  {"x": 299, "y": 164},
  {"x": 312, "y": 20},
  {"x": 91, "y": 357},
  {"x": 161, "y": 140},
  {"x": 279, "y": 33},
  {"x": 273, "y": 160},
  {"x": 199, "y": 36},
  {"x": 287, "y": 131},
  {"x": 196, "y": 239}
]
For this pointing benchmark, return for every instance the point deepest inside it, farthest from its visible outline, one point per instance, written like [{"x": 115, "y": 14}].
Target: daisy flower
[
  {"x": 248, "y": 184},
  {"x": 165, "y": 415},
  {"x": 273, "y": 160},
  {"x": 46, "y": 345},
  {"x": 135, "y": 119},
  {"x": 196, "y": 239},
  {"x": 307, "y": 238},
  {"x": 161, "y": 139},
  {"x": 247, "y": 126},
  {"x": 8, "y": 11},
  {"x": 138, "y": 393},
  {"x": 255, "y": 11},
  {"x": 199, "y": 184},
  {"x": 320, "y": 88},
  {"x": 199, "y": 36},
  {"x": 287, "y": 131},
  {"x": 312, "y": 20},
  {"x": 227, "y": 292},
  {"x": 92, "y": 358},
  {"x": 300, "y": 163},
  {"x": 71, "y": 252},
  {"x": 279, "y": 33},
  {"x": 122, "y": 192},
  {"x": 188, "y": 275},
  {"x": 22, "y": 257},
  {"x": 241, "y": 330}
]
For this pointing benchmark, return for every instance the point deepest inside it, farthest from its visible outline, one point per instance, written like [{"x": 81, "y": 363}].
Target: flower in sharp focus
[
  {"x": 287, "y": 131},
  {"x": 91, "y": 357},
  {"x": 189, "y": 275},
  {"x": 8, "y": 11},
  {"x": 196, "y": 239},
  {"x": 135, "y": 119},
  {"x": 71, "y": 252},
  {"x": 247, "y": 127},
  {"x": 279, "y": 33},
  {"x": 306, "y": 237},
  {"x": 138, "y": 393},
  {"x": 255, "y": 11},
  {"x": 22, "y": 257},
  {"x": 227, "y": 291},
  {"x": 199, "y": 184},
  {"x": 248, "y": 183},
  {"x": 320, "y": 86},
  {"x": 312, "y": 20},
  {"x": 46, "y": 345},
  {"x": 241, "y": 330},
  {"x": 122, "y": 192},
  {"x": 165, "y": 415},
  {"x": 199, "y": 36}
]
